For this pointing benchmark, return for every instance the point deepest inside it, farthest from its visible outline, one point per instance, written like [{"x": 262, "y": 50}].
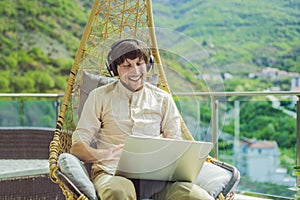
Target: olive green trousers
[{"x": 111, "y": 187}]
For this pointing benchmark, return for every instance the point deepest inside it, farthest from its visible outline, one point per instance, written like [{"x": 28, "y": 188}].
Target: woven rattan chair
[{"x": 109, "y": 20}]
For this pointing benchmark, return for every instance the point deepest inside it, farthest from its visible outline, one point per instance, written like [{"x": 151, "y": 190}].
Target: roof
[{"x": 263, "y": 145}]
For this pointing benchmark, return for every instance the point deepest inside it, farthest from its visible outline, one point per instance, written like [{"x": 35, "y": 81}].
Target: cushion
[
  {"x": 213, "y": 178},
  {"x": 74, "y": 169},
  {"x": 92, "y": 81}
]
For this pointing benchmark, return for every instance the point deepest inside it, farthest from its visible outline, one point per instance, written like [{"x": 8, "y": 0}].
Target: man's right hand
[{"x": 88, "y": 154}]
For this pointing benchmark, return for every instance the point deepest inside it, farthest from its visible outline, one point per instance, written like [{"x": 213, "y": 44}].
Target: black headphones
[{"x": 112, "y": 68}]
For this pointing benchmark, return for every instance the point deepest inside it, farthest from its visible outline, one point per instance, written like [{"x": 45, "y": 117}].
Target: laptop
[{"x": 162, "y": 159}]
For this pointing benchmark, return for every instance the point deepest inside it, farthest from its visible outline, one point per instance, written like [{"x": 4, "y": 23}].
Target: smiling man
[
  {"x": 132, "y": 73},
  {"x": 128, "y": 106}
]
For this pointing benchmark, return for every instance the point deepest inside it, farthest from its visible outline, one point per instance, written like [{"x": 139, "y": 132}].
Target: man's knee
[
  {"x": 185, "y": 190},
  {"x": 116, "y": 193},
  {"x": 115, "y": 188},
  {"x": 181, "y": 187}
]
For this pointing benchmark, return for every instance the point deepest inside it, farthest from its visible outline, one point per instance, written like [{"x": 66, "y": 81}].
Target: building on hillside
[
  {"x": 295, "y": 84},
  {"x": 272, "y": 73},
  {"x": 259, "y": 159}
]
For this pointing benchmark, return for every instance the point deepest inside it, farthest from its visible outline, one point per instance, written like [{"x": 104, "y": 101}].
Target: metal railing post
[
  {"x": 298, "y": 145},
  {"x": 57, "y": 106},
  {"x": 236, "y": 130},
  {"x": 214, "y": 125}
]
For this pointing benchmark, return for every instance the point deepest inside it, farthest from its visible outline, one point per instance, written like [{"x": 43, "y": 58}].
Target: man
[{"x": 129, "y": 106}]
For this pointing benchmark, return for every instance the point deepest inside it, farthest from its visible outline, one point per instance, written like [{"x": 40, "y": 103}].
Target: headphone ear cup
[
  {"x": 111, "y": 69},
  {"x": 151, "y": 63},
  {"x": 114, "y": 69}
]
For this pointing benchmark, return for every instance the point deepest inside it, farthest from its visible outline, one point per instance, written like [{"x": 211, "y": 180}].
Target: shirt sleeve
[
  {"x": 171, "y": 119},
  {"x": 89, "y": 122}
]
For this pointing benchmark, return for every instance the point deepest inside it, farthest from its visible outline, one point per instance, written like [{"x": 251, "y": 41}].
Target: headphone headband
[{"x": 111, "y": 66}]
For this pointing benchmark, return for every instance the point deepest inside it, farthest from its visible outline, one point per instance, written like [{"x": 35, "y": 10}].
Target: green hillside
[
  {"x": 38, "y": 43},
  {"x": 39, "y": 40},
  {"x": 237, "y": 33}
]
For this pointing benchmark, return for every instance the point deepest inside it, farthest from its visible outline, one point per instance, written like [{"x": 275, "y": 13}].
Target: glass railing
[
  {"x": 29, "y": 110},
  {"x": 255, "y": 131}
]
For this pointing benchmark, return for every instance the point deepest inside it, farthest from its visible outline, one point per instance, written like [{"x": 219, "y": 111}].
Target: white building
[
  {"x": 272, "y": 73},
  {"x": 295, "y": 84},
  {"x": 259, "y": 159}
]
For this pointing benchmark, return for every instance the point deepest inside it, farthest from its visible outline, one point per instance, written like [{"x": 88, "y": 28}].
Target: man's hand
[
  {"x": 88, "y": 154},
  {"x": 114, "y": 153}
]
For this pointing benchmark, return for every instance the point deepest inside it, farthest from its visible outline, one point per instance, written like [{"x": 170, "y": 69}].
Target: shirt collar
[{"x": 123, "y": 91}]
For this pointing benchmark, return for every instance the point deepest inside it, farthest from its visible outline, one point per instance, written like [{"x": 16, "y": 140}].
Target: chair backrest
[{"x": 109, "y": 21}]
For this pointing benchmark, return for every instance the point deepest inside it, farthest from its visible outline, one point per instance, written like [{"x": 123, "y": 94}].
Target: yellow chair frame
[{"x": 109, "y": 20}]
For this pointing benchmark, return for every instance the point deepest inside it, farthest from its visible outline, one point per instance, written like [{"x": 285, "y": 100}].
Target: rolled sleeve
[
  {"x": 89, "y": 122},
  {"x": 171, "y": 121}
]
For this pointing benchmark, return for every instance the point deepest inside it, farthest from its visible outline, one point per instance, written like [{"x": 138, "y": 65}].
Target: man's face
[{"x": 132, "y": 73}]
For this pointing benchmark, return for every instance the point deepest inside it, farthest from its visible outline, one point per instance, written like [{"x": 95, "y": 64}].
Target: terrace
[{"x": 27, "y": 122}]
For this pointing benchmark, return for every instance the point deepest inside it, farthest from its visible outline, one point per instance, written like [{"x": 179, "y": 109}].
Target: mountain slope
[
  {"x": 40, "y": 38},
  {"x": 38, "y": 43},
  {"x": 256, "y": 33}
]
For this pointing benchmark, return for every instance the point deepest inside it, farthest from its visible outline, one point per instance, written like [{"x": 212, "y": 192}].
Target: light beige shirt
[{"x": 112, "y": 112}]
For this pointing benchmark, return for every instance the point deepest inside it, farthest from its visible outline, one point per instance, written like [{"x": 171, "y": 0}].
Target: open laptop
[{"x": 162, "y": 159}]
